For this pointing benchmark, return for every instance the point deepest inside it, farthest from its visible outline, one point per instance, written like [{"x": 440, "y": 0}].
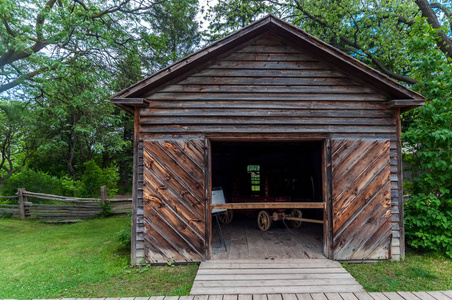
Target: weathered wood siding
[
  {"x": 270, "y": 87},
  {"x": 173, "y": 200},
  {"x": 361, "y": 199}
]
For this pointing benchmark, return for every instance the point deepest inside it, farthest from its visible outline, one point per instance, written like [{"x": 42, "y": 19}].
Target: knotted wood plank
[
  {"x": 173, "y": 200},
  {"x": 361, "y": 199}
]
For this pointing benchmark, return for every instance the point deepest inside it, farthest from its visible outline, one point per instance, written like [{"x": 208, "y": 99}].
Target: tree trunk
[{"x": 444, "y": 42}]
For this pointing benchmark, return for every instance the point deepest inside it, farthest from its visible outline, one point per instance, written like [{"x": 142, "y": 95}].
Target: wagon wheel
[
  {"x": 296, "y": 213},
  {"x": 226, "y": 217},
  {"x": 264, "y": 220}
]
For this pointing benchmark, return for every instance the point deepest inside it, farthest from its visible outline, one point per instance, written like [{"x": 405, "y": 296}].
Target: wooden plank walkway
[
  {"x": 437, "y": 295},
  {"x": 279, "y": 276}
]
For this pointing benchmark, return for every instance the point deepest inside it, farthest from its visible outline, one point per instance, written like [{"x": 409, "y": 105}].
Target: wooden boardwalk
[
  {"x": 279, "y": 276},
  {"x": 438, "y": 295}
]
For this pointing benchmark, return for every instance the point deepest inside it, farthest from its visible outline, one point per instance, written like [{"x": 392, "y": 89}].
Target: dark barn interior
[{"x": 250, "y": 172}]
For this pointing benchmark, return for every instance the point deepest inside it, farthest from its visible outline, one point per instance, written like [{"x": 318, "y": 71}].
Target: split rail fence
[{"x": 64, "y": 209}]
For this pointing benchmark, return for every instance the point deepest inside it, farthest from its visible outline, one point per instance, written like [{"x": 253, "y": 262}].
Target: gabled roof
[{"x": 401, "y": 96}]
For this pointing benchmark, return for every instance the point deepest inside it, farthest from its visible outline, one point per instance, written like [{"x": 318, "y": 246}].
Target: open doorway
[{"x": 274, "y": 194}]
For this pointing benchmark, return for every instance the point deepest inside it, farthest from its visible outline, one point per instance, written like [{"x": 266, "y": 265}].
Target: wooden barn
[{"x": 291, "y": 130}]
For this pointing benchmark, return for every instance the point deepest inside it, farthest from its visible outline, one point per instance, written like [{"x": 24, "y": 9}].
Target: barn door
[
  {"x": 361, "y": 199},
  {"x": 174, "y": 201}
]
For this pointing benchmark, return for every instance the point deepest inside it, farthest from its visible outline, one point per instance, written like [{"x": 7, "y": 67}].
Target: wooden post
[
  {"x": 103, "y": 194},
  {"x": 20, "y": 194},
  {"x": 105, "y": 202},
  {"x": 136, "y": 137},
  {"x": 26, "y": 204},
  {"x": 400, "y": 185}
]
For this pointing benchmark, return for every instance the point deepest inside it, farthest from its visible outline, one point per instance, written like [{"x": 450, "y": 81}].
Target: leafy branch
[
  {"x": 69, "y": 27},
  {"x": 443, "y": 41}
]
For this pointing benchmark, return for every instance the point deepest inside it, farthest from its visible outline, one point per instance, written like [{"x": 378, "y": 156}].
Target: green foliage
[
  {"x": 18, "y": 139},
  {"x": 34, "y": 181},
  {"x": 5, "y": 215},
  {"x": 106, "y": 209},
  {"x": 71, "y": 187},
  {"x": 176, "y": 33},
  {"x": 428, "y": 144},
  {"x": 228, "y": 16},
  {"x": 63, "y": 60},
  {"x": 77, "y": 123},
  {"x": 124, "y": 236},
  {"x": 89, "y": 186},
  {"x": 94, "y": 177}
]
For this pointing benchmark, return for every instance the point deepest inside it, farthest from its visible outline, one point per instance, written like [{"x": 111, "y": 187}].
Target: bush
[
  {"x": 71, "y": 187},
  {"x": 89, "y": 186},
  {"x": 429, "y": 223},
  {"x": 124, "y": 236},
  {"x": 428, "y": 150},
  {"x": 94, "y": 177},
  {"x": 31, "y": 180},
  {"x": 428, "y": 147},
  {"x": 5, "y": 215}
]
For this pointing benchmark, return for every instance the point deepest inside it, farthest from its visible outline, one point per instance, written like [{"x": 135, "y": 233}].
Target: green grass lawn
[
  {"x": 418, "y": 272},
  {"x": 85, "y": 260},
  {"x": 39, "y": 260}
]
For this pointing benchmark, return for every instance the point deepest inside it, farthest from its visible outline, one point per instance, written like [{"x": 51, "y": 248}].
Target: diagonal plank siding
[
  {"x": 174, "y": 201},
  {"x": 361, "y": 199}
]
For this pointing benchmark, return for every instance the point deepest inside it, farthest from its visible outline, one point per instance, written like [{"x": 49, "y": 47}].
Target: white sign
[{"x": 218, "y": 198}]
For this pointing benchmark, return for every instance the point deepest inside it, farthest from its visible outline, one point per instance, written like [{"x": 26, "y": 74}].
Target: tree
[
  {"x": 434, "y": 12},
  {"x": 64, "y": 59},
  {"x": 228, "y": 16},
  {"x": 77, "y": 121},
  {"x": 176, "y": 33},
  {"x": 36, "y": 37},
  {"x": 18, "y": 141},
  {"x": 375, "y": 32},
  {"x": 428, "y": 144}
]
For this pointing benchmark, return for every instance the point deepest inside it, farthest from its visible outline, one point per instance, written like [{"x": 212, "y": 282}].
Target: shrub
[
  {"x": 71, "y": 187},
  {"x": 94, "y": 177},
  {"x": 31, "y": 180},
  {"x": 124, "y": 236},
  {"x": 428, "y": 150},
  {"x": 4, "y": 215},
  {"x": 89, "y": 185},
  {"x": 106, "y": 209},
  {"x": 429, "y": 223}
]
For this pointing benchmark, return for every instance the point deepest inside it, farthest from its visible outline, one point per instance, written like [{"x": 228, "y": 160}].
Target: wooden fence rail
[{"x": 71, "y": 209}]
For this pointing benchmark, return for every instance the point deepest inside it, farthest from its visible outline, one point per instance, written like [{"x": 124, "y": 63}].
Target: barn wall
[
  {"x": 270, "y": 87},
  {"x": 139, "y": 235}
]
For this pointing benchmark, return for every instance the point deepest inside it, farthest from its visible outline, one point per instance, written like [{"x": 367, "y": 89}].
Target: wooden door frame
[{"x": 270, "y": 138}]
